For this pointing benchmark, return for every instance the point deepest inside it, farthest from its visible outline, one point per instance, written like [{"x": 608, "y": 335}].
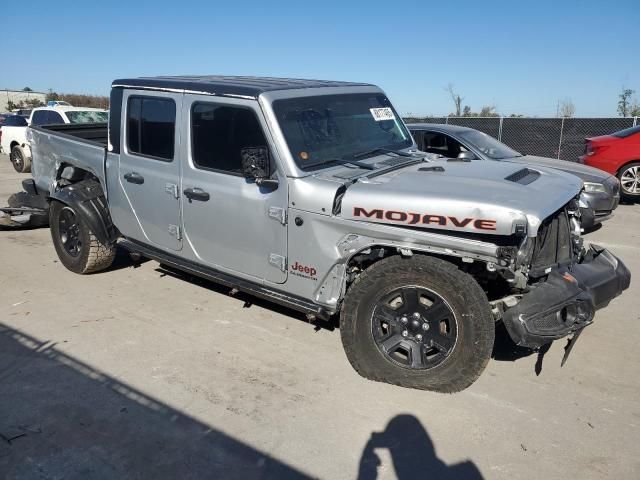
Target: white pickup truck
[{"x": 13, "y": 139}]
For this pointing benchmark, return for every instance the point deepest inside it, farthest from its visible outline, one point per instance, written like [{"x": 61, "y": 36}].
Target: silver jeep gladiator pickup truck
[{"x": 312, "y": 194}]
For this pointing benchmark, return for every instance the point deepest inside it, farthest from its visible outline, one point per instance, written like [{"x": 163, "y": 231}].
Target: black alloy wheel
[
  {"x": 69, "y": 232},
  {"x": 414, "y": 327}
]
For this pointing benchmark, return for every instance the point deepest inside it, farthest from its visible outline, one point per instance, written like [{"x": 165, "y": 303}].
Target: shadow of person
[{"x": 412, "y": 453}]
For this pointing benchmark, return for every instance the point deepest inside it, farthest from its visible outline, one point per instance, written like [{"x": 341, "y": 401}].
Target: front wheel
[
  {"x": 417, "y": 322},
  {"x": 629, "y": 177},
  {"x": 77, "y": 247}
]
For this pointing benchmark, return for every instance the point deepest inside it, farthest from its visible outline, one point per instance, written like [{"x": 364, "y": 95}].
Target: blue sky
[{"x": 520, "y": 56}]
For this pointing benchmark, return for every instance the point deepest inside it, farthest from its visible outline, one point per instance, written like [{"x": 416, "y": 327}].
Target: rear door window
[
  {"x": 435, "y": 143},
  {"x": 439, "y": 143},
  {"x": 39, "y": 117},
  {"x": 151, "y": 124}
]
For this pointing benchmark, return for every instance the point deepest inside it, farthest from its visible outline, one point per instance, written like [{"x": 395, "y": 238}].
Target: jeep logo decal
[
  {"x": 424, "y": 219},
  {"x": 304, "y": 271}
]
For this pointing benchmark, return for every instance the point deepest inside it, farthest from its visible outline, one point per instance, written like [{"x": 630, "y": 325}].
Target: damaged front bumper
[{"x": 568, "y": 300}]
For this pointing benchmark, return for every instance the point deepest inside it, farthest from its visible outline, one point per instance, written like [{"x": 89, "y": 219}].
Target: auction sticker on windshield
[{"x": 380, "y": 114}]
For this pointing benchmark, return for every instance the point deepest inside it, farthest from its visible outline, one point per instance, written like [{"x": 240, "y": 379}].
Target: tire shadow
[
  {"x": 125, "y": 259},
  {"x": 504, "y": 350}
]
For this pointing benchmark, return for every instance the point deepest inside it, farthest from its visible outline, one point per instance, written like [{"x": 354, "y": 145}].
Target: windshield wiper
[
  {"x": 343, "y": 161},
  {"x": 381, "y": 150}
]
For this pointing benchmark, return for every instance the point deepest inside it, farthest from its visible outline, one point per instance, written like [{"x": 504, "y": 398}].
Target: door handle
[
  {"x": 133, "y": 177},
  {"x": 196, "y": 194}
]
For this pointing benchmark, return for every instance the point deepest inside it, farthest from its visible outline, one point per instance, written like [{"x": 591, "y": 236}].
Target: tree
[
  {"x": 32, "y": 103},
  {"x": 635, "y": 109},
  {"x": 566, "y": 108},
  {"x": 488, "y": 111},
  {"x": 27, "y": 89},
  {"x": 52, "y": 96},
  {"x": 466, "y": 111},
  {"x": 457, "y": 99},
  {"x": 624, "y": 104},
  {"x": 29, "y": 103}
]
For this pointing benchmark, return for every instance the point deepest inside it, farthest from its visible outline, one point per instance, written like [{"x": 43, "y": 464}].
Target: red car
[{"x": 618, "y": 154}]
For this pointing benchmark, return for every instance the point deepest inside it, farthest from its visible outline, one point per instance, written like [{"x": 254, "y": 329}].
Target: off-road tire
[
  {"x": 626, "y": 196},
  {"x": 93, "y": 255},
  {"x": 21, "y": 161},
  {"x": 475, "y": 324}
]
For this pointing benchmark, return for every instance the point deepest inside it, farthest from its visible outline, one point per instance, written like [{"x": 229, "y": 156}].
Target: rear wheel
[
  {"x": 419, "y": 323},
  {"x": 629, "y": 177},
  {"x": 77, "y": 247},
  {"x": 21, "y": 161}
]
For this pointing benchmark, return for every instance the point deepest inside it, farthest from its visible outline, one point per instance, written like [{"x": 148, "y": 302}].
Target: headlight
[
  {"x": 525, "y": 252},
  {"x": 591, "y": 187}
]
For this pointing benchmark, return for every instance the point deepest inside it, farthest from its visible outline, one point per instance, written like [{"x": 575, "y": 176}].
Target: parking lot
[{"x": 101, "y": 374}]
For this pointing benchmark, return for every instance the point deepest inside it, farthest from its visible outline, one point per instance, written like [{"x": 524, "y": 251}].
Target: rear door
[
  {"x": 149, "y": 167},
  {"x": 230, "y": 222}
]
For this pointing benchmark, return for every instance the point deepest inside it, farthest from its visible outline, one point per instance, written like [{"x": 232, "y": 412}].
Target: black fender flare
[{"x": 88, "y": 200}]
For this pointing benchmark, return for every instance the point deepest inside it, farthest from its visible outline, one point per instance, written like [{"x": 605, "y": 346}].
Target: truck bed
[
  {"x": 55, "y": 146},
  {"x": 88, "y": 132}
]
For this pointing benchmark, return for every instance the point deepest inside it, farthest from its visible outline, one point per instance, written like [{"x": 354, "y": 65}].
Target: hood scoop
[
  {"x": 436, "y": 168},
  {"x": 524, "y": 176}
]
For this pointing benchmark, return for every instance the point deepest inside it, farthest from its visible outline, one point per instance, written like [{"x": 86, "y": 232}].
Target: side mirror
[
  {"x": 257, "y": 165},
  {"x": 467, "y": 156}
]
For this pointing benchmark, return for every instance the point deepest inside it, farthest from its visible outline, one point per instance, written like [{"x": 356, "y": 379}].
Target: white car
[{"x": 13, "y": 139}]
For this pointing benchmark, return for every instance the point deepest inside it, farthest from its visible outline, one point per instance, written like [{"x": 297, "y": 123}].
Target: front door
[
  {"x": 231, "y": 223},
  {"x": 149, "y": 168}
]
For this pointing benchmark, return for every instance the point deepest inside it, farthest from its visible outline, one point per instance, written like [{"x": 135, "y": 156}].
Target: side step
[{"x": 255, "y": 289}]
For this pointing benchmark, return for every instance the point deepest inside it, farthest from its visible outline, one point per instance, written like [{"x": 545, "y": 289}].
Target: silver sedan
[{"x": 599, "y": 198}]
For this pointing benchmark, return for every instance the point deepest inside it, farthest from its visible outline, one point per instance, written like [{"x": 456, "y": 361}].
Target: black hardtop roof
[{"x": 226, "y": 85}]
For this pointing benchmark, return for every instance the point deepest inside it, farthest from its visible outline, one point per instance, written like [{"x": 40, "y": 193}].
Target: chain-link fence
[{"x": 561, "y": 138}]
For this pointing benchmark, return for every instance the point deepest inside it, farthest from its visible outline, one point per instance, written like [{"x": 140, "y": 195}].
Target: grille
[
  {"x": 548, "y": 323},
  {"x": 553, "y": 245}
]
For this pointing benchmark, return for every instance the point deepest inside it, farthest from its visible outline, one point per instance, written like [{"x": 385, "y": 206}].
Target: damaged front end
[{"x": 566, "y": 284}]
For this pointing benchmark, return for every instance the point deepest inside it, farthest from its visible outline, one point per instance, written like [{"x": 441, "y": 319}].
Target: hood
[
  {"x": 499, "y": 198},
  {"x": 585, "y": 172}
]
